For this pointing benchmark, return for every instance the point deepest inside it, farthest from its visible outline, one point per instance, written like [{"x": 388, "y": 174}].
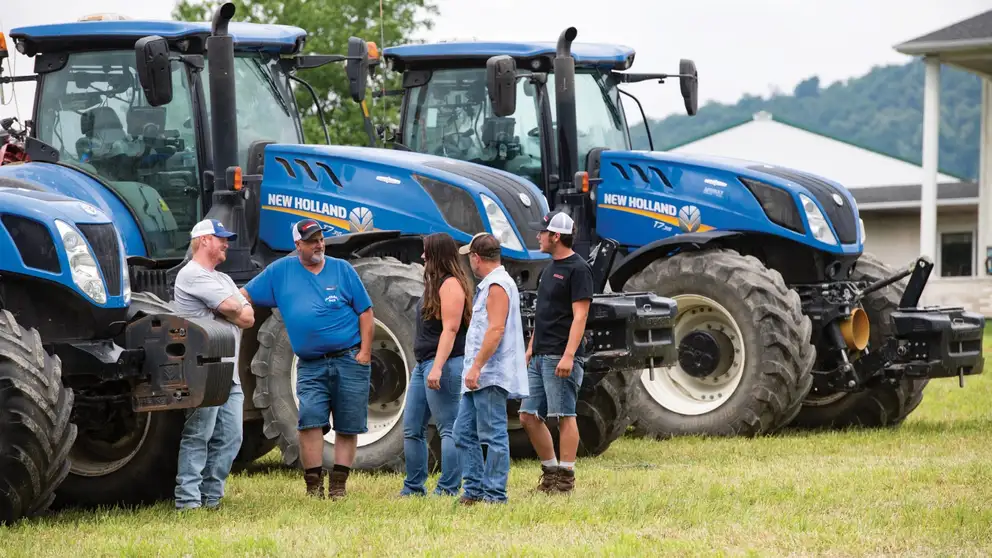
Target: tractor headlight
[
  {"x": 125, "y": 273},
  {"x": 85, "y": 272},
  {"x": 500, "y": 224},
  {"x": 817, "y": 223},
  {"x": 864, "y": 235}
]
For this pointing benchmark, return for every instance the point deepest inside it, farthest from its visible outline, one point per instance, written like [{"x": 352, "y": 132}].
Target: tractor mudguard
[
  {"x": 180, "y": 362},
  {"x": 640, "y": 258}
]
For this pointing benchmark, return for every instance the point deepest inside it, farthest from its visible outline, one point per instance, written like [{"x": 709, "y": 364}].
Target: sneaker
[
  {"x": 336, "y": 484},
  {"x": 315, "y": 484},
  {"x": 549, "y": 479},
  {"x": 566, "y": 480}
]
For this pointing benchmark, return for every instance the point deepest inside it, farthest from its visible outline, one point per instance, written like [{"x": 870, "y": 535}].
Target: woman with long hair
[{"x": 443, "y": 316}]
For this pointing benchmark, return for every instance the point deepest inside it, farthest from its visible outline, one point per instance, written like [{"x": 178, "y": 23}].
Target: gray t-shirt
[{"x": 199, "y": 292}]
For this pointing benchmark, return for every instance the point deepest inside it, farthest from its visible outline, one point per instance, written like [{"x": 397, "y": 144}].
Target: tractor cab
[
  {"x": 91, "y": 108},
  {"x": 447, "y": 111}
]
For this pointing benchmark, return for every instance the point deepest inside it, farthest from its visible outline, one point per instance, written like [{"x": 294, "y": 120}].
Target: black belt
[{"x": 337, "y": 353}]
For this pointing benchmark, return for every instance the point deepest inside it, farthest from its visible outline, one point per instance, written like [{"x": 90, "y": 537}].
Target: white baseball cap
[
  {"x": 558, "y": 222},
  {"x": 211, "y": 226}
]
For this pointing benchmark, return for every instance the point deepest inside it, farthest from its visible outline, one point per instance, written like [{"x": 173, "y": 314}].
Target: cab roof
[
  {"x": 80, "y": 35},
  {"x": 617, "y": 57}
]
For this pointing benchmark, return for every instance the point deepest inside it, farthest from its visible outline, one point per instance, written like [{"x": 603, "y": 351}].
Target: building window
[{"x": 956, "y": 254}]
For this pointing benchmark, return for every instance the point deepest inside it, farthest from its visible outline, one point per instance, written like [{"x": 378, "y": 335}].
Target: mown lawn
[{"x": 923, "y": 489}]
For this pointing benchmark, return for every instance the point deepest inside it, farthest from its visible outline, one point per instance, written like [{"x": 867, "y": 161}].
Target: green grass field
[{"x": 920, "y": 490}]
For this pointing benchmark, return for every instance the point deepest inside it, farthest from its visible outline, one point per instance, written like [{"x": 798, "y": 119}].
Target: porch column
[
  {"x": 931, "y": 136},
  {"x": 984, "y": 239}
]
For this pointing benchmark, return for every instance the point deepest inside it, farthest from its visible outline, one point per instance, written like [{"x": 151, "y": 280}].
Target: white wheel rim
[
  {"x": 382, "y": 417},
  {"x": 679, "y": 392}
]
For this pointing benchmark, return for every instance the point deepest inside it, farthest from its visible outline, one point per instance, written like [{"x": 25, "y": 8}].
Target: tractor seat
[{"x": 103, "y": 124}]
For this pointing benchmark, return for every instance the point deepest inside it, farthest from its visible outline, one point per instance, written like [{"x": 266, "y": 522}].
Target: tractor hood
[
  {"x": 790, "y": 199},
  {"x": 65, "y": 183},
  {"x": 358, "y": 189},
  {"x": 42, "y": 236}
]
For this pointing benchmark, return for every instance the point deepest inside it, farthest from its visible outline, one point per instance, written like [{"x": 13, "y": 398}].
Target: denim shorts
[
  {"x": 338, "y": 385},
  {"x": 551, "y": 396}
]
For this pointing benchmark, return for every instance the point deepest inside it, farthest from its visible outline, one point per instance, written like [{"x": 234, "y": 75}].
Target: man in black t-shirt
[{"x": 554, "y": 373}]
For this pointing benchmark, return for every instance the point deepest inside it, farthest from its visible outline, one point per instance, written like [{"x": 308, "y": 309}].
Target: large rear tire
[
  {"x": 131, "y": 460},
  {"x": 35, "y": 432},
  {"x": 254, "y": 444},
  {"x": 394, "y": 288},
  {"x": 883, "y": 404},
  {"x": 766, "y": 358}
]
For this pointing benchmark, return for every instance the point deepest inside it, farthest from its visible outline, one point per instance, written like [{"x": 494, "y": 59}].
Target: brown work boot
[
  {"x": 466, "y": 501},
  {"x": 565, "y": 481},
  {"x": 315, "y": 484},
  {"x": 336, "y": 484},
  {"x": 549, "y": 479}
]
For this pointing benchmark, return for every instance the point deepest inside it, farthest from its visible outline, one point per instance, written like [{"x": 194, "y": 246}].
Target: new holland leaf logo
[
  {"x": 689, "y": 218},
  {"x": 360, "y": 219}
]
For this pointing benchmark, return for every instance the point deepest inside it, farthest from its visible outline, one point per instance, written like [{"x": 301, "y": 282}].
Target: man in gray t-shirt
[{"x": 212, "y": 436}]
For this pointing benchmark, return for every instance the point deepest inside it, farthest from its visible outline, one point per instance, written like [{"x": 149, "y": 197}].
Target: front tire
[
  {"x": 35, "y": 432},
  {"x": 765, "y": 356},
  {"x": 129, "y": 459},
  {"x": 395, "y": 289},
  {"x": 882, "y": 404}
]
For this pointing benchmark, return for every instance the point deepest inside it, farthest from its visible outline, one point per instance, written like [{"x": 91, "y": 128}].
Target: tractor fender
[{"x": 663, "y": 248}]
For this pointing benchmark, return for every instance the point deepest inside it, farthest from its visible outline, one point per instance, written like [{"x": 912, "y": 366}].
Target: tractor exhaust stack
[{"x": 564, "y": 70}]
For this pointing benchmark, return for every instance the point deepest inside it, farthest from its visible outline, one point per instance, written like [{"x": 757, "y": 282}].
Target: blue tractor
[
  {"x": 782, "y": 319},
  {"x": 139, "y": 130},
  {"x": 94, "y": 380}
]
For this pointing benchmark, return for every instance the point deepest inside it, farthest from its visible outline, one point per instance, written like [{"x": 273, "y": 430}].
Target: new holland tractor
[
  {"x": 782, "y": 318},
  {"x": 139, "y": 130}
]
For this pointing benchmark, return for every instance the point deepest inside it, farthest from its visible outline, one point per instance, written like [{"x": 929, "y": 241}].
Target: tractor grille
[
  {"x": 34, "y": 242},
  {"x": 841, "y": 217},
  {"x": 103, "y": 241},
  {"x": 508, "y": 190}
]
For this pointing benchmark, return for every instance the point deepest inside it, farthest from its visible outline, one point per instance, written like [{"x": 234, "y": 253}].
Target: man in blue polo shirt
[{"x": 328, "y": 316}]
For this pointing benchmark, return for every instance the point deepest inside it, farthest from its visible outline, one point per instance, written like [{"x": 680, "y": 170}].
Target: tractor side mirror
[
  {"x": 689, "y": 85},
  {"x": 151, "y": 58},
  {"x": 357, "y": 68},
  {"x": 501, "y": 82}
]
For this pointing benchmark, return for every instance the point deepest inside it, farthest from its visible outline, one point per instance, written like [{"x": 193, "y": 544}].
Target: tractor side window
[
  {"x": 93, "y": 111},
  {"x": 451, "y": 116},
  {"x": 266, "y": 106},
  {"x": 598, "y": 116}
]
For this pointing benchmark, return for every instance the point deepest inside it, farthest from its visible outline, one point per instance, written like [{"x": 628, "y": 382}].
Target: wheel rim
[
  {"x": 386, "y": 411},
  {"x": 90, "y": 457},
  {"x": 679, "y": 391}
]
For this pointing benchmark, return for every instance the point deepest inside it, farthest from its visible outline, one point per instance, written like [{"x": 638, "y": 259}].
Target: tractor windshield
[
  {"x": 451, "y": 116},
  {"x": 93, "y": 111}
]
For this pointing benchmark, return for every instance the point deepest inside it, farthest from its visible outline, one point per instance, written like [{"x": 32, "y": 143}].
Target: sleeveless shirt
[{"x": 429, "y": 335}]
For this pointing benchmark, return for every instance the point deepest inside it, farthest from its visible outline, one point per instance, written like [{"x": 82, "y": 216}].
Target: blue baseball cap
[{"x": 211, "y": 226}]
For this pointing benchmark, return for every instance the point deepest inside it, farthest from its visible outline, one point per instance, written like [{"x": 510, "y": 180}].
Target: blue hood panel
[{"x": 60, "y": 179}]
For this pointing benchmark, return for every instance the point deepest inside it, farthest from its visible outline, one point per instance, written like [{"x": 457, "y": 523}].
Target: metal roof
[
  {"x": 590, "y": 54},
  {"x": 966, "y": 44},
  {"x": 83, "y": 34},
  {"x": 908, "y": 195}
]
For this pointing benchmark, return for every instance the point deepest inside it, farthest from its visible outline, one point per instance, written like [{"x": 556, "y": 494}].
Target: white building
[{"x": 888, "y": 192}]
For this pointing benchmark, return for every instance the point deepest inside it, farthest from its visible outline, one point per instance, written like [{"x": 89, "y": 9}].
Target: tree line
[{"x": 881, "y": 110}]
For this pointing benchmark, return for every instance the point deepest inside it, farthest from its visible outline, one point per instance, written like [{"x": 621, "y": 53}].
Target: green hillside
[{"x": 882, "y": 110}]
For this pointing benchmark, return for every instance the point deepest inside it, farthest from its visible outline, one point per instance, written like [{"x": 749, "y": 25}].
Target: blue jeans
[
  {"x": 211, "y": 440},
  {"x": 551, "y": 396},
  {"x": 482, "y": 421},
  {"x": 421, "y": 404},
  {"x": 334, "y": 384}
]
